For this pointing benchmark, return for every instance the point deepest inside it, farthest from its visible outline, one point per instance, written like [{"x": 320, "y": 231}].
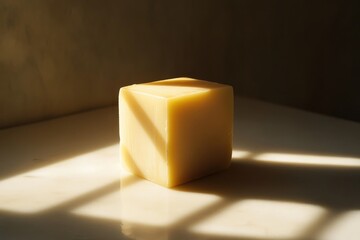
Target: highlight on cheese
[{"x": 176, "y": 130}]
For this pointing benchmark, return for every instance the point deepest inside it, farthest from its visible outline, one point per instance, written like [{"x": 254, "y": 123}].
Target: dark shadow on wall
[
  {"x": 298, "y": 54},
  {"x": 71, "y": 56}
]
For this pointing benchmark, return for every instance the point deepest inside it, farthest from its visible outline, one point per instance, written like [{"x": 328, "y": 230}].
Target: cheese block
[{"x": 176, "y": 130}]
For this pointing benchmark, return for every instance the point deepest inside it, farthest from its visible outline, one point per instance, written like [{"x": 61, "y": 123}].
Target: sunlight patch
[
  {"x": 346, "y": 226},
  {"x": 239, "y": 154},
  {"x": 48, "y": 186},
  {"x": 261, "y": 219},
  {"x": 309, "y": 159}
]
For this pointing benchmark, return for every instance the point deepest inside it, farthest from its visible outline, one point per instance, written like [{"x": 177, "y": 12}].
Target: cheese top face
[
  {"x": 173, "y": 131},
  {"x": 172, "y": 88}
]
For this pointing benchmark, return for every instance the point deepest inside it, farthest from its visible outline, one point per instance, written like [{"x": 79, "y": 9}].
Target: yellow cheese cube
[{"x": 173, "y": 131}]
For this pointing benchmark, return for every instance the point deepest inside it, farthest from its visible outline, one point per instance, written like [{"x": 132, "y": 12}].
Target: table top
[{"x": 294, "y": 175}]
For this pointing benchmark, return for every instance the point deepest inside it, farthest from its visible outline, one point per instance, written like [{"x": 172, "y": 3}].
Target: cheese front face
[{"x": 173, "y": 131}]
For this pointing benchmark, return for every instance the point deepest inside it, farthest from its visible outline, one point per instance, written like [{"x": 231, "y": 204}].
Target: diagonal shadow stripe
[
  {"x": 95, "y": 194},
  {"x": 145, "y": 121},
  {"x": 200, "y": 215},
  {"x": 313, "y": 231},
  {"x": 130, "y": 162}
]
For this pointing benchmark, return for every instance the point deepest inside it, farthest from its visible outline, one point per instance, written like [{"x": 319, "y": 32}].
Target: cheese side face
[{"x": 177, "y": 130}]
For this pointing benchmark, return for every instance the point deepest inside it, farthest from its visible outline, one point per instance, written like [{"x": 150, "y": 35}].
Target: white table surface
[{"x": 295, "y": 175}]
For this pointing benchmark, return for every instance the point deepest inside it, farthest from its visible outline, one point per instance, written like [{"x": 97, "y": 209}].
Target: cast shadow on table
[
  {"x": 333, "y": 188},
  {"x": 322, "y": 192}
]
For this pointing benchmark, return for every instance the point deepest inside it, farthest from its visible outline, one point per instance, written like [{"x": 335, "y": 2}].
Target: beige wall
[{"x": 61, "y": 57}]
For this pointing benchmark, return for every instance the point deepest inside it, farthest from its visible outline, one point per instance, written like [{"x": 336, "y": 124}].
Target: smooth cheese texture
[{"x": 173, "y": 131}]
